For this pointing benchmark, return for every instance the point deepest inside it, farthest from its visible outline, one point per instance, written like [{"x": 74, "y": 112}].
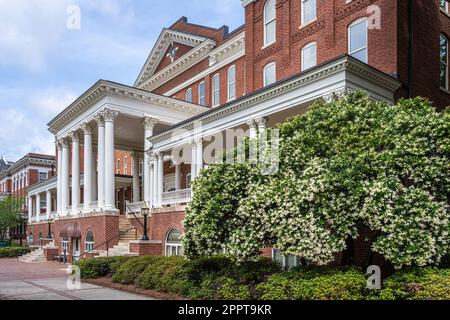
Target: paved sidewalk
[{"x": 47, "y": 281}]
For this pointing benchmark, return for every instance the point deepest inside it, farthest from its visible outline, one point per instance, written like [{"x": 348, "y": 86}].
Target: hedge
[
  {"x": 418, "y": 284},
  {"x": 10, "y": 252},
  {"x": 219, "y": 278}
]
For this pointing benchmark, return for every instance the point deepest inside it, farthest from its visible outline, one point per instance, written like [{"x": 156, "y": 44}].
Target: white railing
[{"x": 176, "y": 197}]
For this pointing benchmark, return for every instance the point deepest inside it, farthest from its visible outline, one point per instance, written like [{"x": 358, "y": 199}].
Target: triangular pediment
[{"x": 158, "y": 58}]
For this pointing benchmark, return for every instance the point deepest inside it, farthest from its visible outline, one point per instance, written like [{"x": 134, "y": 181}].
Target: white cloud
[{"x": 51, "y": 100}]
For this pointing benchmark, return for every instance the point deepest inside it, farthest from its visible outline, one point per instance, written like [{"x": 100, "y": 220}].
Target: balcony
[{"x": 176, "y": 197}]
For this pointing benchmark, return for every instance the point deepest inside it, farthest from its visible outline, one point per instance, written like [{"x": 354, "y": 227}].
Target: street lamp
[
  {"x": 49, "y": 236},
  {"x": 145, "y": 212}
]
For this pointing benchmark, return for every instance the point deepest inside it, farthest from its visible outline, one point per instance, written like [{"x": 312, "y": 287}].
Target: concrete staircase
[
  {"x": 127, "y": 234},
  {"x": 35, "y": 255}
]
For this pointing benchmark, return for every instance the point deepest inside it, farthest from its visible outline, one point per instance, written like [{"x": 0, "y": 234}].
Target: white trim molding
[{"x": 165, "y": 39}]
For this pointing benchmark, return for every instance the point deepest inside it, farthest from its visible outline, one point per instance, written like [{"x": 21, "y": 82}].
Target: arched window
[
  {"x": 201, "y": 94},
  {"x": 189, "y": 95},
  {"x": 309, "y": 56},
  {"x": 270, "y": 22},
  {"x": 270, "y": 74},
  {"x": 89, "y": 242},
  {"x": 443, "y": 61},
  {"x": 173, "y": 243},
  {"x": 444, "y": 5},
  {"x": 358, "y": 39},
  {"x": 216, "y": 90}
]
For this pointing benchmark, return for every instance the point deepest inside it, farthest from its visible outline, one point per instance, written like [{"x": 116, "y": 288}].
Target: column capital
[
  {"x": 149, "y": 123},
  {"x": 99, "y": 119},
  {"x": 87, "y": 129},
  {"x": 198, "y": 142},
  {"x": 74, "y": 136},
  {"x": 251, "y": 123},
  {"x": 261, "y": 121},
  {"x": 109, "y": 115},
  {"x": 63, "y": 143}
]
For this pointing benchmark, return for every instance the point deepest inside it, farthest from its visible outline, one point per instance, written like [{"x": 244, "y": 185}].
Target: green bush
[
  {"x": 221, "y": 288},
  {"x": 418, "y": 284},
  {"x": 100, "y": 267},
  {"x": 128, "y": 272},
  {"x": 10, "y": 252},
  {"x": 309, "y": 284},
  {"x": 165, "y": 274}
]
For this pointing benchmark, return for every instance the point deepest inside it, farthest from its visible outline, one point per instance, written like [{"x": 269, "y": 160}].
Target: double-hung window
[
  {"x": 201, "y": 93},
  {"x": 216, "y": 90},
  {"x": 231, "y": 83},
  {"x": 308, "y": 11},
  {"x": 189, "y": 95},
  {"x": 270, "y": 23},
  {"x": 357, "y": 40}
]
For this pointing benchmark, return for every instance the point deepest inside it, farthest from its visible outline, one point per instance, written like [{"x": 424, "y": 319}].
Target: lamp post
[
  {"x": 145, "y": 213},
  {"x": 49, "y": 236}
]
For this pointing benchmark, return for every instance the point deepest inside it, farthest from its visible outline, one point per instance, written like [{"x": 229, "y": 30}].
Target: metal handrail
[
  {"x": 134, "y": 214},
  {"x": 107, "y": 243}
]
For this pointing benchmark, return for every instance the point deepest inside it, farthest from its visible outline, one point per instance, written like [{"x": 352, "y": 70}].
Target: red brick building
[{"x": 200, "y": 82}]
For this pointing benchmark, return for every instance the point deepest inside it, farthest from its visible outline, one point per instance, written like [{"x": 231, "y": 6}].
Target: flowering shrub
[{"x": 348, "y": 163}]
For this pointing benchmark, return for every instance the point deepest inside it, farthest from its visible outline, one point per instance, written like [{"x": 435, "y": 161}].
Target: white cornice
[
  {"x": 162, "y": 44},
  {"x": 343, "y": 64},
  {"x": 106, "y": 88},
  {"x": 237, "y": 44},
  {"x": 244, "y": 3},
  {"x": 180, "y": 65}
]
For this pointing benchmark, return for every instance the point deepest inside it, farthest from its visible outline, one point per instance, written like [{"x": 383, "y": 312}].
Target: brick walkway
[{"x": 48, "y": 281}]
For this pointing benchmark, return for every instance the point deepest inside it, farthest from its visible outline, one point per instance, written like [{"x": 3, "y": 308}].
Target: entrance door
[{"x": 76, "y": 248}]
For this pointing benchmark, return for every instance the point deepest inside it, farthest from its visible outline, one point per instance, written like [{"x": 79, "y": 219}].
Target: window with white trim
[
  {"x": 189, "y": 95},
  {"x": 118, "y": 166},
  {"x": 357, "y": 40},
  {"x": 270, "y": 22},
  {"x": 201, "y": 94},
  {"x": 309, "y": 11},
  {"x": 89, "y": 242},
  {"x": 232, "y": 83},
  {"x": 173, "y": 244},
  {"x": 270, "y": 74},
  {"x": 443, "y": 52},
  {"x": 216, "y": 90},
  {"x": 287, "y": 262},
  {"x": 125, "y": 165},
  {"x": 309, "y": 56},
  {"x": 188, "y": 180}
]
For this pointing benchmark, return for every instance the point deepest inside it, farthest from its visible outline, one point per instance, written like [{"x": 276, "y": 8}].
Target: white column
[
  {"x": 154, "y": 181},
  {"x": 135, "y": 159},
  {"x": 160, "y": 187},
  {"x": 109, "y": 117},
  {"x": 30, "y": 208},
  {"x": 87, "y": 176},
  {"x": 38, "y": 207},
  {"x": 177, "y": 176},
  {"x": 199, "y": 156},
  {"x": 149, "y": 125},
  {"x": 64, "y": 177},
  {"x": 253, "y": 132},
  {"x": 94, "y": 175},
  {"x": 58, "y": 179},
  {"x": 101, "y": 160},
  {"x": 151, "y": 180},
  {"x": 193, "y": 160},
  {"x": 261, "y": 125},
  {"x": 48, "y": 203},
  {"x": 75, "y": 171}
]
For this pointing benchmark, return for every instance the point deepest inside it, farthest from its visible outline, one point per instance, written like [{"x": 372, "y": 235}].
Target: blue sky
[{"x": 44, "y": 66}]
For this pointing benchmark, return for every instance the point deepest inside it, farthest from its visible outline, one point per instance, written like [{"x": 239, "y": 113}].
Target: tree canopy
[
  {"x": 9, "y": 214},
  {"x": 344, "y": 164}
]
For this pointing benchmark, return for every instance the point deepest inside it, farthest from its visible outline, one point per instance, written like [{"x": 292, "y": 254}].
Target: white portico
[
  {"x": 208, "y": 134},
  {"x": 107, "y": 118}
]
